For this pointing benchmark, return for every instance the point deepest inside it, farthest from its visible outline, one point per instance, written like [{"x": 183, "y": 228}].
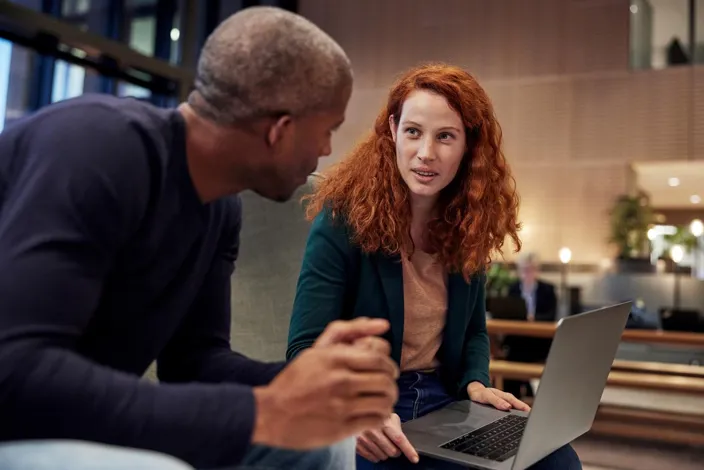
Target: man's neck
[{"x": 205, "y": 155}]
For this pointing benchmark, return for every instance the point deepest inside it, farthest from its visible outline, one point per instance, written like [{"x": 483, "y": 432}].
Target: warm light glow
[
  {"x": 697, "y": 228},
  {"x": 677, "y": 253},
  {"x": 565, "y": 255},
  {"x": 673, "y": 182},
  {"x": 695, "y": 199},
  {"x": 652, "y": 233},
  {"x": 606, "y": 264},
  {"x": 175, "y": 34},
  {"x": 634, "y": 9}
]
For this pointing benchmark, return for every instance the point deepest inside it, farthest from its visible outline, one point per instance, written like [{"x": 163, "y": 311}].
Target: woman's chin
[{"x": 423, "y": 191}]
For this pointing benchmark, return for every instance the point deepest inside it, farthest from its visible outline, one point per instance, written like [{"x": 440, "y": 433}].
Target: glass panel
[
  {"x": 141, "y": 36},
  {"x": 659, "y": 33},
  {"x": 76, "y": 7},
  {"x": 175, "y": 55},
  {"x": 74, "y": 80},
  {"x": 699, "y": 32},
  {"x": 5, "y": 57},
  {"x": 68, "y": 81},
  {"x": 15, "y": 69},
  {"x": 135, "y": 91}
]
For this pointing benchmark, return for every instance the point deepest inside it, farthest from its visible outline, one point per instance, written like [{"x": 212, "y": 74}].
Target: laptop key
[{"x": 497, "y": 441}]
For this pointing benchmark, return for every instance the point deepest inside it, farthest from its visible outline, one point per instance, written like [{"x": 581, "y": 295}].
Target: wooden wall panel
[{"x": 573, "y": 115}]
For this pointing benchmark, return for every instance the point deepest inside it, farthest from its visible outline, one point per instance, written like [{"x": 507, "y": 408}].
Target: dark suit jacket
[
  {"x": 338, "y": 281},
  {"x": 526, "y": 349},
  {"x": 545, "y": 299}
]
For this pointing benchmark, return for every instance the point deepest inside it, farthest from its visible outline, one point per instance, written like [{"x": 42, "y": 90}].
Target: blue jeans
[
  {"x": 419, "y": 394},
  {"x": 80, "y": 455}
]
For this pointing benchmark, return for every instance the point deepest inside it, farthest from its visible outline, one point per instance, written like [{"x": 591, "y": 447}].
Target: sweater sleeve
[
  {"x": 200, "y": 350},
  {"x": 476, "y": 343},
  {"x": 322, "y": 283},
  {"x": 77, "y": 194}
]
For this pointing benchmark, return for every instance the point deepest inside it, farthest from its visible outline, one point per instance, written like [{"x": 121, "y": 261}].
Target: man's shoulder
[
  {"x": 546, "y": 286},
  {"x": 87, "y": 107},
  {"x": 116, "y": 137},
  {"x": 102, "y": 117}
]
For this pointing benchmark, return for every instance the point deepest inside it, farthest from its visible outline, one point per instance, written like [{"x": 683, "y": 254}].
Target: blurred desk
[{"x": 547, "y": 330}]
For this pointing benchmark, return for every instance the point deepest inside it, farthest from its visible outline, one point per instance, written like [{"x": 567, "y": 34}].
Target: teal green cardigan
[{"x": 338, "y": 281}]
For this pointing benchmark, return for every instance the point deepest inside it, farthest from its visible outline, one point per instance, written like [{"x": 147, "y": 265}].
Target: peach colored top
[{"x": 425, "y": 309}]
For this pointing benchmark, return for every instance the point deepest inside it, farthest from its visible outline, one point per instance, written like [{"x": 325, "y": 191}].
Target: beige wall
[{"x": 574, "y": 116}]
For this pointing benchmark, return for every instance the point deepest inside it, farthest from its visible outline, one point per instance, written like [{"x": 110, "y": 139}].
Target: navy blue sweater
[{"x": 109, "y": 260}]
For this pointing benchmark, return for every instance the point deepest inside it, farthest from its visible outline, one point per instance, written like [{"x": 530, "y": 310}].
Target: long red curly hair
[{"x": 476, "y": 211}]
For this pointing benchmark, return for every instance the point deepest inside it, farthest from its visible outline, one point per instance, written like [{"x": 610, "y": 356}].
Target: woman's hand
[
  {"x": 389, "y": 441},
  {"x": 491, "y": 396}
]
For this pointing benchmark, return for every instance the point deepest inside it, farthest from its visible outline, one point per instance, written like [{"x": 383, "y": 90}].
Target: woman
[{"x": 403, "y": 229}]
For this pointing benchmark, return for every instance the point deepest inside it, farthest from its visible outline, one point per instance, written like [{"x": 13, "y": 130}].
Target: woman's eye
[{"x": 412, "y": 131}]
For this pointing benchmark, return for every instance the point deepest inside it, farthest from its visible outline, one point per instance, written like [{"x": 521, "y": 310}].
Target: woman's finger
[
  {"x": 366, "y": 453},
  {"x": 382, "y": 442},
  {"x": 515, "y": 402},
  {"x": 401, "y": 442},
  {"x": 492, "y": 398},
  {"x": 370, "y": 446}
]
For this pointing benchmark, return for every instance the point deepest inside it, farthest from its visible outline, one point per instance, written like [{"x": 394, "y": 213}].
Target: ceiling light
[
  {"x": 175, "y": 34},
  {"x": 565, "y": 255},
  {"x": 695, "y": 199},
  {"x": 672, "y": 182},
  {"x": 677, "y": 253},
  {"x": 634, "y": 9}
]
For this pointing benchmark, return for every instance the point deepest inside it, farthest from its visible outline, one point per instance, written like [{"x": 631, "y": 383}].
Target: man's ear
[
  {"x": 278, "y": 130},
  {"x": 392, "y": 126}
]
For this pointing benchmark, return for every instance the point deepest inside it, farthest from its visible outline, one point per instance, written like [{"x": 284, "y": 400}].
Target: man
[
  {"x": 541, "y": 305},
  {"x": 539, "y": 296},
  {"x": 118, "y": 234}
]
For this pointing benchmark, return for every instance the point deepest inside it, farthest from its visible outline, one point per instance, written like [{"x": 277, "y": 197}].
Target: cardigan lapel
[
  {"x": 458, "y": 315},
  {"x": 391, "y": 274}
]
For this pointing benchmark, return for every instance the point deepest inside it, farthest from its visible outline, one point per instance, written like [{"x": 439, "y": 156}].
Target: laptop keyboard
[{"x": 496, "y": 441}]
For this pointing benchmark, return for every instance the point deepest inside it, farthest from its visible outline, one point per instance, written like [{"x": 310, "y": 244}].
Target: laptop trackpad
[{"x": 454, "y": 420}]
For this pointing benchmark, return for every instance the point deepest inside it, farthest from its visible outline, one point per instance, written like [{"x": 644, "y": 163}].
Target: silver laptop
[{"x": 575, "y": 374}]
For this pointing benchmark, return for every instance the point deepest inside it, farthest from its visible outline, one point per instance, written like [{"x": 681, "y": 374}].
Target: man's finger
[
  {"x": 373, "y": 383},
  {"x": 374, "y": 343},
  {"x": 359, "y": 424},
  {"x": 370, "y": 405},
  {"x": 348, "y": 331},
  {"x": 400, "y": 440},
  {"x": 363, "y": 360}
]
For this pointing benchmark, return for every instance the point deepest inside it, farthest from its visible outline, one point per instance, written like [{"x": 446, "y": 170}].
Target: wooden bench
[
  {"x": 629, "y": 422},
  {"x": 660, "y": 368},
  {"x": 547, "y": 330}
]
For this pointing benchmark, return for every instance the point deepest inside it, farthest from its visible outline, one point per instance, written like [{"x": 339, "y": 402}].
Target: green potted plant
[
  {"x": 630, "y": 218},
  {"x": 498, "y": 280}
]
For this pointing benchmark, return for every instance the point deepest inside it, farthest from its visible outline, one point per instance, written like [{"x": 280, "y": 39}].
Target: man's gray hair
[
  {"x": 528, "y": 259},
  {"x": 265, "y": 61}
]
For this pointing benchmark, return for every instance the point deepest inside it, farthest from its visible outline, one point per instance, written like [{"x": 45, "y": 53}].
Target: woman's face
[{"x": 430, "y": 143}]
